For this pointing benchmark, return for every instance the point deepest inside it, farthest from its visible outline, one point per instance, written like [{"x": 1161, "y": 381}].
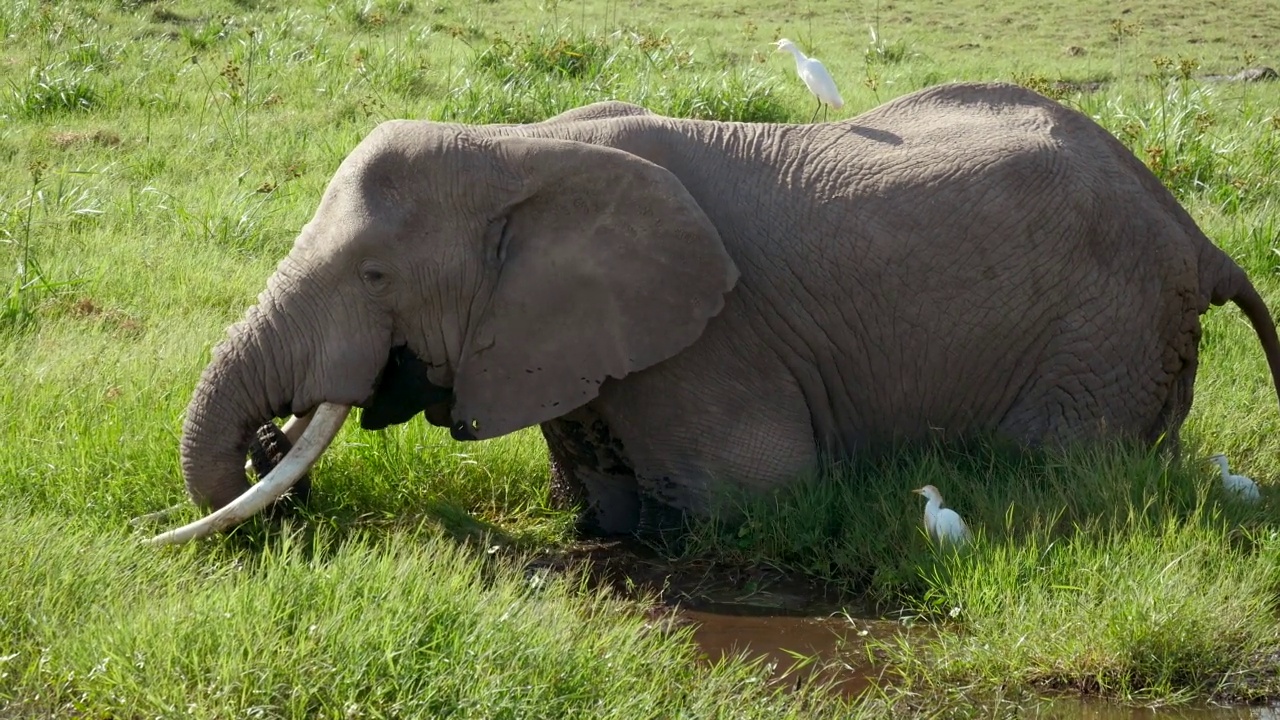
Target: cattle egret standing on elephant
[
  {"x": 1241, "y": 485},
  {"x": 815, "y": 77},
  {"x": 943, "y": 524}
]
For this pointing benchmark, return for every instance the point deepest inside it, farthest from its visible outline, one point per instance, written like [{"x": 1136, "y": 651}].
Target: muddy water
[
  {"x": 772, "y": 636},
  {"x": 1098, "y": 710},
  {"x": 838, "y": 636},
  {"x": 764, "y": 613}
]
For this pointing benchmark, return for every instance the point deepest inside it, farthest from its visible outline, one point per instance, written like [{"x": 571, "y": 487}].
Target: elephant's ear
[{"x": 606, "y": 265}]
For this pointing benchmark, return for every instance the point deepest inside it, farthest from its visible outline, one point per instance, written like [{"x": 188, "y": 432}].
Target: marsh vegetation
[{"x": 158, "y": 159}]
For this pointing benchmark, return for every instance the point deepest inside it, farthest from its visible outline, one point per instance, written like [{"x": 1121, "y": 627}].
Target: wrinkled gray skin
[{"x": 688, "y": 306}]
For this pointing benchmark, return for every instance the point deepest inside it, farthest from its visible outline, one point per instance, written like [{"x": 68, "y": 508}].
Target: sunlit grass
[
  {"x": 404, "y": 625},
  {"x": 158, "y": 159},
  {"x": 1155, "y": 612}
]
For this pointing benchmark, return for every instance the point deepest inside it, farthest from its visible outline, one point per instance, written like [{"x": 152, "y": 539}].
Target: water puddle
[
  {"x": 785, "y": 642},
  {"x": 1087, "y": 709},
  {"x": 798, "y": 630},
  {"x": 843, "y": 638},
  {"x": 786, "y": 620}
]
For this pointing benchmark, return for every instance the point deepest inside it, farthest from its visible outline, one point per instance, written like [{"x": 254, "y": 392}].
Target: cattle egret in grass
[
  {"x": 943, "y": 524},
  {"x": 815, "y": 77},
  {"x": 1241, "y": 485}
]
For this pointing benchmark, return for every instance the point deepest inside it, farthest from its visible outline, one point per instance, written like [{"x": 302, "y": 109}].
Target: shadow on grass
[{"x": 850, "y": 534}]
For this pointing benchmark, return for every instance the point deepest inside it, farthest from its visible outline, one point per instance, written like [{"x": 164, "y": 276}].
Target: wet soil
[
  {"x": 774, "y": 616},
  {"x": 1093, "y": 709},
  {"x": 789, "y": 622}
]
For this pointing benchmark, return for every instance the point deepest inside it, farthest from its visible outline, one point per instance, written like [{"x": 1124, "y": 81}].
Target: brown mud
[{"x": 802, "y": 632}]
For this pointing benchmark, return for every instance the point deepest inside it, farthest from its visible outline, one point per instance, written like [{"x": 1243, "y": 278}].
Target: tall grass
[
  {"x": 30, "y": 286},
  {"x": 1162, "y": 612},
  {"x": 163, "y": 157},
  {"x": 1180, "y": 134},
  {"x": 57, "y": 88},
  {"x": 533, "y": 76},
  {"x": 410, "y": 625},
  {"x": 858, "y": 525}
]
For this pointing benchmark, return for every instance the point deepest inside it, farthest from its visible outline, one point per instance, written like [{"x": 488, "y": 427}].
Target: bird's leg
[
  {"x": 815, "y": 111},
  {"x": 824, "y": 113}
]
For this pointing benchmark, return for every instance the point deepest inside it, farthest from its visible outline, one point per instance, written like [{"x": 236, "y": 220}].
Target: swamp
[{"x": 158, "y": 158}]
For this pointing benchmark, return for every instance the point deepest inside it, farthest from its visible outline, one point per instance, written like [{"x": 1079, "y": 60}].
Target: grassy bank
[
  {"x": 1105, "y": 571},
  {"x": 157, "y": 159},
  {"x": 400, "y": 625}
]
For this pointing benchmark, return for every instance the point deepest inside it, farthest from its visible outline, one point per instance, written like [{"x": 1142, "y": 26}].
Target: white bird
[
  {"x": 815, "y": 77},
  {"x": 943, "y": 524},
  {"x": 1241, "y": 485}
]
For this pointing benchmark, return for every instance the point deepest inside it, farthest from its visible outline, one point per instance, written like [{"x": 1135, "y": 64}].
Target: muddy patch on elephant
[{"x": 789, "y": 622}]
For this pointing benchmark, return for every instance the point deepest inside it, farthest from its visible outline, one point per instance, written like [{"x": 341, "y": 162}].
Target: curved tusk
[
  {"x": 328, "y": 420},
  {"x": 292, "y": 430},
  {"x": 296, "y": 425}
]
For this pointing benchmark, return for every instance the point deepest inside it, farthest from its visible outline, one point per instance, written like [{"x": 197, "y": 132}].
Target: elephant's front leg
[
  {"x": 708, "y": 428},
  {"x": 589, "y": 469}
]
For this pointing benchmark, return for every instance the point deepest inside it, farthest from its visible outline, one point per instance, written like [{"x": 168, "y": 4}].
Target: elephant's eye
[{"x": 373, "y": 276}]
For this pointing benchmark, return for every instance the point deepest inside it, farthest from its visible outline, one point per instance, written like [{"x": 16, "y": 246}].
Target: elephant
[{"x": 687, "y": 307}]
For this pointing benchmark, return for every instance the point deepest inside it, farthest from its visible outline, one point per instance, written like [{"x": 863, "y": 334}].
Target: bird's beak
[{"x": 918, "y": 491}]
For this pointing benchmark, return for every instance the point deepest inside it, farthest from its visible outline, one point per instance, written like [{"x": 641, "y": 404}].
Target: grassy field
[{"x": 157, "y": 159}]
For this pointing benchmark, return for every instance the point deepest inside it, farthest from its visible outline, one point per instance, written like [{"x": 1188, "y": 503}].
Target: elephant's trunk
[
  {"x": 233, "y": 398},
  {"x": 274, "y": 363},
  {"x": 328, "y": 419}
]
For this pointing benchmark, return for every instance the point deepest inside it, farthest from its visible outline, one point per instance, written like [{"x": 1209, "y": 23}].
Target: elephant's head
[{"x": 518, "y": 273}]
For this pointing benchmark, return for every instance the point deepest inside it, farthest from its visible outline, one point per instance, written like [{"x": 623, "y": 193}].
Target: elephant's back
[{"x": 961, "y": 249}]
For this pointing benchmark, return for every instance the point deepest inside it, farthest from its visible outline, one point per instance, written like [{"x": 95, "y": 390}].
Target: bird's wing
[{"x": 820, "y": 82}]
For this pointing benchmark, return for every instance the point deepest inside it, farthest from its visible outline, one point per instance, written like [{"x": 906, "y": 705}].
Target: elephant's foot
[
  {"x": 268, "y": 448},
  {"x": 660, "y": 524}
]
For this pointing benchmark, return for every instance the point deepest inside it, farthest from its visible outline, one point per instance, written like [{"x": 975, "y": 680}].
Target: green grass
[
  {"x": 157, "y": 159},
  {"x": 406, "y": 625},
  {"x": 1106, "y": 570}
]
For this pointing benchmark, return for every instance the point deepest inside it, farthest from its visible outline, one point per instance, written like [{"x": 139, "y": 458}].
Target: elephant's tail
[{"x": 1242, "y": 292}]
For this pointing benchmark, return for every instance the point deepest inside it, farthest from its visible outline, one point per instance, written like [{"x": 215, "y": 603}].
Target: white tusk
[
  {"x": 292, "y": 430},
  {"x": 329, "y": 418}
]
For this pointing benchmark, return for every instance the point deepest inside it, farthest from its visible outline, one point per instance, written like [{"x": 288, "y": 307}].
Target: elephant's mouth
[{"x": 403, "y": 390}]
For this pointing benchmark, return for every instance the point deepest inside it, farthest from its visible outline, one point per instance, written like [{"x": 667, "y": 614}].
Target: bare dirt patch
[
  {"x": 101, "y": 138},
  {"x": 121, "y": 322}
]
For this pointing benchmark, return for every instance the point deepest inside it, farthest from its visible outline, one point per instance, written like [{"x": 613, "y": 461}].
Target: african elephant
[{"x": 690, "y": 306}]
